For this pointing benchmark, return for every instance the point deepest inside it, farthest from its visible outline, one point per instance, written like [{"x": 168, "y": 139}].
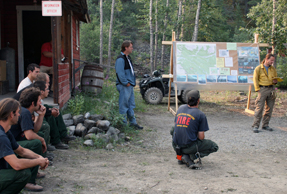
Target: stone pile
[{"x": 92, "y": 127}]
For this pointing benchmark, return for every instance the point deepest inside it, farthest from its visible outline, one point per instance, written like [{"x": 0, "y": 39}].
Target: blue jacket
[{"x": 123, "y": 71}]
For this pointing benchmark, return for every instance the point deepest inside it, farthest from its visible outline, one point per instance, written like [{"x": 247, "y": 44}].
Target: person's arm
[
  {"x": 30, "y": 134},
  {"x": 47, "y": 54},
  {"x": 22, "y": 163},
  {"x": 55, "y": 112},
  {"x": 256, "y": 79},
  {"x": 120, "y": 70},
  {"x": 201, "y": 135},
  {"x": 39, "y": 120}
]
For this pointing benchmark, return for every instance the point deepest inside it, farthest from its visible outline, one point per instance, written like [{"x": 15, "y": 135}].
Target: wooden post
[
  {"x": 171, "y": 70},
  {"x": 56, "y": 44}
]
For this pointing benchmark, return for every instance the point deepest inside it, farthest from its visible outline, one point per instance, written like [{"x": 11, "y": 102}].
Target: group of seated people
[{"x": 27, "y": 126}]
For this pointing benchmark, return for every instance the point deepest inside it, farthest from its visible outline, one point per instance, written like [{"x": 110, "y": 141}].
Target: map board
[{"x": 214, "y": 65}]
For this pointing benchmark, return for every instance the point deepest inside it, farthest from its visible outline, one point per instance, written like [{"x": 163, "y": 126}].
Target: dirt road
[{"x": 245, "y": 163}]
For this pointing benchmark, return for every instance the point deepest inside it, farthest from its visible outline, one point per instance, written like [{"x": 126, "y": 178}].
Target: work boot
[
  {"x": 51, "y": 148},
  {"x": 255, "y": 130},
  {"x": 61, "y": 146},
  {"x": 136, "y": 126},
  {"x": 33, "y": 187},
  {"x": 40, "y": 175},
  {"x": 186, "y": 160},
  {"x": 267, "y": 128},
  {"x": 68, "y": 138}
]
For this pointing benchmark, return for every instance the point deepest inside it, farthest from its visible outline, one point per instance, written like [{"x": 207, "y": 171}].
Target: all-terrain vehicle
[{"x": 154, "y": 88}]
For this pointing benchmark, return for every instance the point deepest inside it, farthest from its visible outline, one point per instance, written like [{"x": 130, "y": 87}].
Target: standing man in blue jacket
[{"x": 126, "y": 82}]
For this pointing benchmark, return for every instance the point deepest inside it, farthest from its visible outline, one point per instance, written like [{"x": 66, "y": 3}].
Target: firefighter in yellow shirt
[{"x": 264, "y": 81}]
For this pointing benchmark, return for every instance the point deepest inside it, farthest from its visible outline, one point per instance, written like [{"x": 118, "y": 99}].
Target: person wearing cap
[
  {"x": 263, "y": 79},
  {"x": 188, "y": 133},
  {"x": 126, "y": 81}
]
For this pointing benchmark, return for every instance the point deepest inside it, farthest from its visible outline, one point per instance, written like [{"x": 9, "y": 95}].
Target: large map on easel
[{"x": 215, "y": 65}]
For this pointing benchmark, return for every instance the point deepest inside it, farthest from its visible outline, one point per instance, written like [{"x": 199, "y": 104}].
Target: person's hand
[
  {"x": 55, "y": 112},
  {"x": 42, "y": 110},
  {"x": 44, "y": 163},
  {"x": 128, "y": 84},
  {"x": 274, "y": 81},
  {"x": 44, "y": 146}
]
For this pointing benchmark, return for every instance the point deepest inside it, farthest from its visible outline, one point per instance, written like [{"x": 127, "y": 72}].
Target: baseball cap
[{"x": 193, "y": 94}]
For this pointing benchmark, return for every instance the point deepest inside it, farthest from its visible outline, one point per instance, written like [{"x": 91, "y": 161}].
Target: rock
[
  {"x": 127, "y": 138},
  {"x": 103, "y": 124},
  {"x": 109, "y": 146},
  {"x": 89, "y": 136},
  {"x": 72, "y": 130},
  {"x": 67, "y": 116},
  {"x": 87, "y": 115},
  {"x": 122, "y": 135},
  {"x": 113, "y": 133},
  {"x": 81, "y": 130},
  {"x": 78, "y": 119},
  {"x": 89, "y": 143},
  {"x": 94, "y": 130},
  {"x": 89, "y": 123},
  {"x": 96, "y": 117},
  {"x": 69, "y": 122}
]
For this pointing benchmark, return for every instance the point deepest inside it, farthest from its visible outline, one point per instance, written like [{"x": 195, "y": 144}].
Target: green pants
[
  {"x": 13, "y": 181},
  {"x": 58, "y": 128},
  {"x": 204, "y": 147},
  {"x": 45, "y": 133},
  {"x": 34, "y": 145}
]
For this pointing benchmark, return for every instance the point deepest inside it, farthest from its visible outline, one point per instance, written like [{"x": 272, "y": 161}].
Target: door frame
[{"x": 20, "y": 9}]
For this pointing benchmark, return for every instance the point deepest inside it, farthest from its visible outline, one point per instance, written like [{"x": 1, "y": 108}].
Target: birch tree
[
  {"x": 163, "y": 36},
  {"x": 101, "y": 32},
  {"x": 178, "y": 19},
  {"x": 156, "y": 35},
  {"x": 110, "y": 35},
  {"x": 151, "y": 36},
  {"x": 195, "y": 33}
]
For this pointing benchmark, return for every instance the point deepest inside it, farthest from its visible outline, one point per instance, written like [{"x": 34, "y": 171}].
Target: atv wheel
[
  {"x": 184, "y": 96},
  {"x": 180, "y": 99},
  {"x": 153, "y": 95}
]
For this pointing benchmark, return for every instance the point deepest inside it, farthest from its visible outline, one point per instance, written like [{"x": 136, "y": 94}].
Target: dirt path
[{"x": 245, "y": 163}]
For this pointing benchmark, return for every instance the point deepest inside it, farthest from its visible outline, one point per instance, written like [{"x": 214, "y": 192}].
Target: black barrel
[{"x": 92, "y": 79}]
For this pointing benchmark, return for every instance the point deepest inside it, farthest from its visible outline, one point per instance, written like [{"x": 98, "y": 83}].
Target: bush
[{"x": 281, "y": 66}]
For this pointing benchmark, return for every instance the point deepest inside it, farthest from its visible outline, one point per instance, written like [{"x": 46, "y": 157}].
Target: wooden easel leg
[{"x": 248, "y": 102}]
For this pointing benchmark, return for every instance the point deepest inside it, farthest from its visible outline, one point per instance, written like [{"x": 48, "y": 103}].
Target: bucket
[{"x": 92, "y": 79}]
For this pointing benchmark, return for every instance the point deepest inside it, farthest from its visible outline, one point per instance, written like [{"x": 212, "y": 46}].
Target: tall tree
[
  {"x": 156, "y": 35},
  {"x": 178, "y": 19},
  {"x": 101, "y": 31},
  {"x": 151, "y": 36},
  {"x": 182, "y": 24},
  {"x": 163, "y": 36},
  {"x": 110, "y": 35},
  {"x": 194, "y": 37}
]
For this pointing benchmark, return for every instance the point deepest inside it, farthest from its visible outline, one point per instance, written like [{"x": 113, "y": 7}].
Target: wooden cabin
[{"x": 23, "y": 30}]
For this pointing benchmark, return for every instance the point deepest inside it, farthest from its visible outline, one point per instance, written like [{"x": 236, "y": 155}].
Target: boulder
[
  {"x": 67, "y": 116},
  {"x": 87, "y": 115},
  {"x": 96, "y": 117},
  {"x": 89, "y": 123},
  {"x": 113, "y": 133},
  {"x": 81, "y": 130},
  {"x": 109, "y": 146},
  {"x": 103, "y": 124},
  {"x": 78, "y": 119},
  {"x": 69, "y": 122},
  {"x": 89, "y": 143},
  {"x": 89, "y": 136},
  {"x": 71, "y": 130},
  {"x": 94, "y": 130}
]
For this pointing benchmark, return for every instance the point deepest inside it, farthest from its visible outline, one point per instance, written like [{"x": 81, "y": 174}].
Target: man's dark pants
[
  {"x": 13, "y": 181},
  {"x": 34, "y": 145}
]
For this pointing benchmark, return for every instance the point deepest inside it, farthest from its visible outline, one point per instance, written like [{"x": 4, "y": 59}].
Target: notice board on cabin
[{"x": 214, "y": 65}]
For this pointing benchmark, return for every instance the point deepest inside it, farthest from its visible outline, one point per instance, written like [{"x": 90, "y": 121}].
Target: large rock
[
  {"x": 113, "y": 133},
  {"x": 89, "y": 143},
  {"x": 72, "y": 130},
  {"x": 69, "y": 122},
  {"x": 89, "y": 123},
  {"x": 95, "y": 130},
  {"x": 103, "y": 124},
  {"x": 122, "y": 135},
  {"x": 78, "y": 119},
  {"x": 89, "y": 136},
  {"x": 67, "y": 116},
  {"x": 104, "y": 137},
  {"x": 87, "y": 115},
  {"x": 109, "y": 146},
  {"x": 96, "y": 117},
  {"x": 81, "y": 130}
]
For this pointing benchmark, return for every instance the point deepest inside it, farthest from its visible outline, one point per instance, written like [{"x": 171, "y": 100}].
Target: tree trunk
[
  {"x": 194, "y": 37},
  {"x": 273, "y": 30},
  {"x": 156, "y": 36},
  {"x": 182, "y": 26},
  {"x": 151, "y": 36},
  {"x": 178, "y": 18},
  {"x": 101, "y": 32},
  {"x": 110, "y": 36},
  {"x": 163, "y": 36}
]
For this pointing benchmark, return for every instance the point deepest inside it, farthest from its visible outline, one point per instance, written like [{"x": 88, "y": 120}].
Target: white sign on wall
[{"x": 51, "y": 8}]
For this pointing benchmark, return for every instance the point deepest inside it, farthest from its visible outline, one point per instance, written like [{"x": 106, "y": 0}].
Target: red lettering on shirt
[{"x": 188, "y": 120}]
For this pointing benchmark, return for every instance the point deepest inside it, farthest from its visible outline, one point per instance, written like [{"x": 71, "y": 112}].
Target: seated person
[
  {"x": 188, "y": 133},
  {"x": 16, "y": 173},
  {"x": 53, "y": 116},
  {"x": 32, "y": 71}
]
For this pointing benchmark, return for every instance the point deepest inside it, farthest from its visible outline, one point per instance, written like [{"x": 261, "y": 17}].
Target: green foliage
[
  {"x": 76, "y": 104},
  {"x": 281, "y": 66}
]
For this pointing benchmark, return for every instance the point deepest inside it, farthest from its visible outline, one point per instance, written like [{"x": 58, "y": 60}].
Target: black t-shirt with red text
[{"x": 188, "y": 122}]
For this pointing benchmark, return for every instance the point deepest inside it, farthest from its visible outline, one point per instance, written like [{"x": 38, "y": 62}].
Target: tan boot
[
  {"x": 33, "y": 187},
  {"x": 40, "y": 175}
]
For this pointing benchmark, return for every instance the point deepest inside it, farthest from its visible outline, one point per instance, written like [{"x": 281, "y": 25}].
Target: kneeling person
[
  {"x": 13, "y": 180},
  {"x": 188, "y": 133}
]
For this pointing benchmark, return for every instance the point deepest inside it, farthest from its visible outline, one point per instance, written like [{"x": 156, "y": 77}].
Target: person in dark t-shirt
[
  {"x": 15, "y": 173},
  {"x": 188, "y": 133}
]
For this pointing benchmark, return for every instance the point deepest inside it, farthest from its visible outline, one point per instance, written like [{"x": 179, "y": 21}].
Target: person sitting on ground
[
  {"x": 53, "y": 116},
  {"x": 16, "y": 172},
  {"x": 188, "y": 133},
  {"x": 32, "y": 70}
]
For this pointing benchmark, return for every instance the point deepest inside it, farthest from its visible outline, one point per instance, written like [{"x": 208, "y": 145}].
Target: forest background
[{"x": 150, "y": 22}]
